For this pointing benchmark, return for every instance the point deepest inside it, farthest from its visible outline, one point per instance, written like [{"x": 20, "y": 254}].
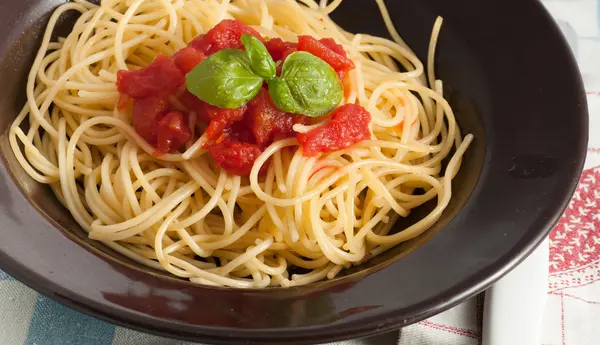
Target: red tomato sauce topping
[
  {"x": 268, "y": 123},
  {"x": 277, "y": 48},
  {"x": 328, "y": 51},
  {"x": 187, "y": 58},
  {"x": 236, "y": 136},
  {"x": 160, "y": 78},
  {"x": 348, "y": 125},
  {"x": 224, "y": 35},
  {"x": 235, "y": 157}
]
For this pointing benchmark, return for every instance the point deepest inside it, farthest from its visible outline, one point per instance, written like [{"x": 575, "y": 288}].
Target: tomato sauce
[
  {"x": 235, "y": 157},
  {"x": 187, "y": 58},
  {"x": 160, "y": 78},
  {"x": 224, "y": 35},
  {"x": 348, "y": 125},
  {"x": 328, "y": 51},
  {"x": 236, "y": 136},
  {"x": 278, "y": 47},
  {"x": 172, "y": 131},
  {"x": 146, "y": 114},
  {"x": 268, "y": 123}
]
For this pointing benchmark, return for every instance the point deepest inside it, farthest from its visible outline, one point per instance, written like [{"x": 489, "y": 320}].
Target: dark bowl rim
[{"x": 369, "y": 325}]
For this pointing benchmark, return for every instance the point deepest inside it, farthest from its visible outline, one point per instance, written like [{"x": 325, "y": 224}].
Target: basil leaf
[
  {"x": 224, "y": 79},
  {"x": 307, "y": 86},
  {"x": 261, "y": 61}
]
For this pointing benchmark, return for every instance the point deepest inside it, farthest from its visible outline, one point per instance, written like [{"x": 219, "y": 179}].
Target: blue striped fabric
[
  {"x": 53, "y": 324},
  {"x": 4, "y": 276}
]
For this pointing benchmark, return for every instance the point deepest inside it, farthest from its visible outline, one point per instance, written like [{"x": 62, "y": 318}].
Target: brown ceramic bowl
[{"x": 514, "y": 84}]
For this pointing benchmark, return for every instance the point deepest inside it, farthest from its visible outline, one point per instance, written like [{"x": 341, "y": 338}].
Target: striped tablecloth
[{"x": 572, "y": 314}]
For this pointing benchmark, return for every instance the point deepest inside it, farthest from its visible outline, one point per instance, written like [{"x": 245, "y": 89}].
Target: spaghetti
[{"x": 178, "y": 211}]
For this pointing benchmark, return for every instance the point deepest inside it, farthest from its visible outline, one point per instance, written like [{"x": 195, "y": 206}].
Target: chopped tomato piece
[
  {"x": 338, "y": 61},
  {"x": 217, "y": 118},
  {"x": 330, "y": 43},
  {"x": 215, "y": 128},
  {"x": 267, "y": 122},
  {"x": 239, "y": 132},
  {"x": 221, "y": 118},
  {"x": 235, "y": 157},
  {"x": 160, "y": 78},
  {"x": 223, "y": 114},
  {"x": 342, "y": 74},
  {"x": 348, "y": 125},
  {"x": 173, "y": 132},
  {"x": 194, "y": 104},
  {"x": 187, "y": 58},
  {"x": 226, "y": 34},
  {"x": 200, "y": 43},
  {"x": 146, "y": 113},
  {"x": 277, "y": 46}
]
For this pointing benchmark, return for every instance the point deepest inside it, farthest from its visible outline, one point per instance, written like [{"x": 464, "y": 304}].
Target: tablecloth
[{"x": 572, "y": 313}]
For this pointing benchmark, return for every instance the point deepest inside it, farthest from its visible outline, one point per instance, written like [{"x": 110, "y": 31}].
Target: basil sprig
[
  {"x": 230, "y": 78},
  {"x": 308, "y": 86},
  {"x": 224, "y": 79},
  {"x": 261, "y": 61}
]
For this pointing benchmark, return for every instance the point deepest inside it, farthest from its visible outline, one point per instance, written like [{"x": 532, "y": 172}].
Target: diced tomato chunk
[
  {"x": 330, "y": 43},
  {"x": 226, "y": 115},
  {"x": 338, "y": 61},
  {"x": 239, "y": 132},
  {"x": 235, "y": 157},
  {"x": 267, "y": 122},
  {"x": 146, "y": 113},
  {"x": 194, "y": 104},
  {"x": 217, "y": 118},
  {"x": 173, "y": 132},
  {"x": 226, "y": 34},
  {"x": 221, "y": 118},
  {"x": 348, "y": 125},
  {"x": 160, "y": 78},
  {"x": 276, "y": 47},
  {"x": 187, "y": 58},
  {"x": 215, "y": 128},
  {"x": 200, "y": 43}
]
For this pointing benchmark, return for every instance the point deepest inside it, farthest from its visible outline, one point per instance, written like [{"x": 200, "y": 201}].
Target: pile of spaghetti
[{"x": 293, "y": 217}]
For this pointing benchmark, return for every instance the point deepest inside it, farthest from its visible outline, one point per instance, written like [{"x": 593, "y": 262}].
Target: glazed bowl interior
[
  {"x": 470, "y": 121},
  {"x": 497, "y": 81}
]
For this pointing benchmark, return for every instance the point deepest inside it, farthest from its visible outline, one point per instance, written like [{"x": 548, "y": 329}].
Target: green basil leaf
[
  {"x": 224, "y": 79},
  {"x": 307, "y": 86},
  {"x": 261, "y": 61}
]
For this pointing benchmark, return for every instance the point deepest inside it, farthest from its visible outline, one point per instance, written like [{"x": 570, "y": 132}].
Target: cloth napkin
[{"x": 572, "y": 314}]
